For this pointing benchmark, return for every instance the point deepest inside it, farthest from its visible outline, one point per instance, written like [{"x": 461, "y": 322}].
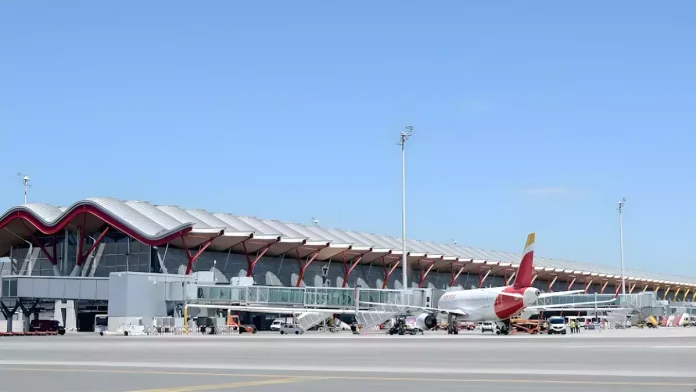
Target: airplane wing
[
  {"x": 458, "y": 312},
  {"x": 289, "y": 310},
  {"x": 268, "y": 309},
  {"x": 570, "y": 305},
  {"x": 559, "y": 293},
  {"x": 514, "y": 295}
]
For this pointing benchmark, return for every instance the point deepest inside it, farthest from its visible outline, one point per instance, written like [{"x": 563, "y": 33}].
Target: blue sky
[{"x": 528, "y": 116}]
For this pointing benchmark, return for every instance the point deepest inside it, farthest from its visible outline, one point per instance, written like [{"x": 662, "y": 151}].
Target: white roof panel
[
  {"x": 152, "y": 212},
  {"x": 238, "y": 224},
  {"x": 160, "y": 221},
  {"x": 183, "y": 216}
]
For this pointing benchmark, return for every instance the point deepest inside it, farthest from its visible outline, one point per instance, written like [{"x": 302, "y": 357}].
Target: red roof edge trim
[{"x": 94, "y": 211}]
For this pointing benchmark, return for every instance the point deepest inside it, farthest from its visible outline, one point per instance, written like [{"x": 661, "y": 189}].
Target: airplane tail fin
[{"x": 524, "y": 273}]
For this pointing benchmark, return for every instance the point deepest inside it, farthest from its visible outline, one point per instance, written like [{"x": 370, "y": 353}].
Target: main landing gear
[
  {"x": 503, "y": 327},
  {"x": 452, "y": 325}
]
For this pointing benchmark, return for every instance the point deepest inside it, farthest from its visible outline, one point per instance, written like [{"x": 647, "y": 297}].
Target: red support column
[
  {"x": 388, "y": 272},
  {"x": 55, "y": 251},
  {"x": 349, "y": 268},
  {"x": 83, "y": 256},
  {"x": 51, "y": 257},
  {"x": 424, "y": 272},
  {"x": 550, "y": 289},
  {"x": 482, "y": 280},
  {"x": 572, "y": 282},
  {"x": 455, "y": 276},
  {"x": 588, "y": 282},
  {"x": 192, "y": 258},
  {"x": 81, "y": 240},
  {"x": 618, "y": 288},
  {"x": 303, "y": 266},
  {"x": 259, "y": 255}
]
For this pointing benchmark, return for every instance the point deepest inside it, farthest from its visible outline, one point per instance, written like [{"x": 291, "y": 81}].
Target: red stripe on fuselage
[{"x": 505, "y": 305}]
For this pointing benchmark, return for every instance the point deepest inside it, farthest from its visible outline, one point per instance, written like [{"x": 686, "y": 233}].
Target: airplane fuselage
[{"x": 489, "y": 304}]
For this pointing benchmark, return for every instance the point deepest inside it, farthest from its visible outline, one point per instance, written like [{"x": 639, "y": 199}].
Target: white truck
[
  {"x": 557, "y": 325},
  {"x": 277, "y": 323}
]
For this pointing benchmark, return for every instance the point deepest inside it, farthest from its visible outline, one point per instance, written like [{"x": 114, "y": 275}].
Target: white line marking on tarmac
[
  {"x": 359, "y": 369},
  {"x": 668, "y": 347}
]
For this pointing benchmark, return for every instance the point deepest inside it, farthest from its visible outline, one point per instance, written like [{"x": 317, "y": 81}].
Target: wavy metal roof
[
  {"x": 159, "y": 221},
  {"x": 140, "y": 222}
]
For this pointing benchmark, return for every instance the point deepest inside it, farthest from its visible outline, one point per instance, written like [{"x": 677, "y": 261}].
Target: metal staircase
[
  {"x": 377, "y": 314},
  {"x": 309, "y": 319}
]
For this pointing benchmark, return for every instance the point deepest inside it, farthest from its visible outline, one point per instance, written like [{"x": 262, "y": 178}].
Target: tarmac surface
[{"x": 616, "y": 360}]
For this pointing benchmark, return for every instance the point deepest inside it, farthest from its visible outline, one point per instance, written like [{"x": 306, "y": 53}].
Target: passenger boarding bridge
[
  {"x": 132, "y": 295},
  {"x": 640, "y": 300},
  {"x": 301, "y": 297}
]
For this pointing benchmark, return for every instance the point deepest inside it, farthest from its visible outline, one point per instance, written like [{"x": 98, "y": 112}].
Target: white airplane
[{"x": 496, "y": 304}]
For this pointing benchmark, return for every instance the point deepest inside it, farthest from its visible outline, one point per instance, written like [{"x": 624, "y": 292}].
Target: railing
[
  {"x": 222, "y": 293},
  {"x": 329, "y": 297},
  {"x": 573, "y": 299},
  {"x": 640, "y": 300},
  {"x": 332, "y": 297}
]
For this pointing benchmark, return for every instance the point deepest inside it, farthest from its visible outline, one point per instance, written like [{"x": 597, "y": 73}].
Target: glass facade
[{"x": 118, "y": 252}]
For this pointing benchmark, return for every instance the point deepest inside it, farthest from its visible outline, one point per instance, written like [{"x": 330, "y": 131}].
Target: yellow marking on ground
[
  {"x": 366, "y": 378},
  {"x": 228, "y": 385}
]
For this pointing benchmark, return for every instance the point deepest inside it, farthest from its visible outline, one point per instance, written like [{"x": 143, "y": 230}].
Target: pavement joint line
[
  {"x": 283, "y": 378},
  {"x": 347, "y": 369},
  {"x": 229, "y": 385},
  {"x": 146, "y": 372}
]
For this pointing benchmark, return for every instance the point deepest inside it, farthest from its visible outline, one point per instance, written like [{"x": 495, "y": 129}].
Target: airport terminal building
[{"x": 96, "y": 237}]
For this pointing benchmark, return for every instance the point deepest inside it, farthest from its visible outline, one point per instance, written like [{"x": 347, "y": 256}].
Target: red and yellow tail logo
[{"x": 524, "y": 274}]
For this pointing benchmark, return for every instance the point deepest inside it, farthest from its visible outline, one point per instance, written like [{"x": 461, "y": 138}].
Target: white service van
[
  {"x": 490, "y": 327},
  {"x": 277, "y": 323},
  {"x": 557, "y": 324}
]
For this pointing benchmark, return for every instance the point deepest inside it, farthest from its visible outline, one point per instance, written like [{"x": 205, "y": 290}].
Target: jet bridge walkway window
[
  {"x": 222, "y": 293},
  {"x": 382, "y": 296},
  {"x": 320, "y": 296},
  {"x": 9, "y": 288}
]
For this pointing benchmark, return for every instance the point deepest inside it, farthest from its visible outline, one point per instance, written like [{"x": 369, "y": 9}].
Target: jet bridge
[
  {"x": 31, "y": 295},
  {"x": 147, "y": 296},
  {"x": 311, "y": 305}
]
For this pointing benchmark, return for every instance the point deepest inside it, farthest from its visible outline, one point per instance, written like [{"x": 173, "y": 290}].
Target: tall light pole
[
  {"x": 26, "y": 180},
  {"x": 405, "y": 135},
  {"x": 623, "y": 276}
]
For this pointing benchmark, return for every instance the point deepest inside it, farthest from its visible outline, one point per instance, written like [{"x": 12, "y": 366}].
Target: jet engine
[{"x": 426, "y": 321}]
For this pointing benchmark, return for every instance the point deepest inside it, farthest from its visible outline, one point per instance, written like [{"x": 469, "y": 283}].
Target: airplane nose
[{"x": 537, "y": 293}]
